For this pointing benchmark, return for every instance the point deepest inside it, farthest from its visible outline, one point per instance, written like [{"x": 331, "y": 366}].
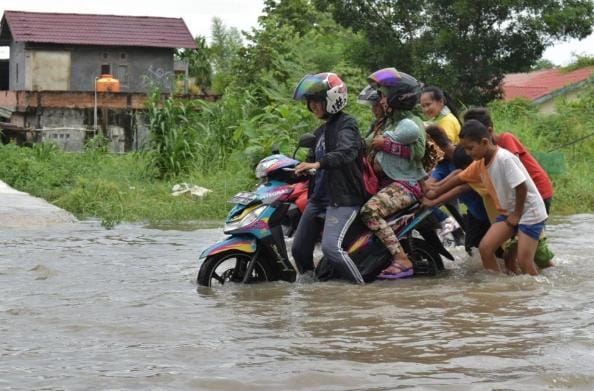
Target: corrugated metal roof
[
  {"x": 535, "y": 85},
  {"x": 105, "y": 30}
]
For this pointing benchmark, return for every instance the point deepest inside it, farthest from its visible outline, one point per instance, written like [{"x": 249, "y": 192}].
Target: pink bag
[{"x": 370, "y": 180}]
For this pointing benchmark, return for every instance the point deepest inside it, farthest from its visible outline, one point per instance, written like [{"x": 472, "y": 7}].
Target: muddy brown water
[{"x": 87, "y": 308}]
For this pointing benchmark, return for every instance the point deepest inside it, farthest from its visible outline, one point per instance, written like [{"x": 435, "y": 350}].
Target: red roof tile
[
  {"x": 534, "y": 85},
  {"x": 107, "y": 30}
]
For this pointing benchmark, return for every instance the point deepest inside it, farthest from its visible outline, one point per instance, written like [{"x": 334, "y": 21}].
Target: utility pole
[{"x": 95, "y": 108}]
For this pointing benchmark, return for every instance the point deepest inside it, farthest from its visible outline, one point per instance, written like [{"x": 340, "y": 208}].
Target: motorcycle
[
  {"x": 298, "y": 202},
  {"x": 415, "y": 229},
  {"x": 255, "y": 250}
]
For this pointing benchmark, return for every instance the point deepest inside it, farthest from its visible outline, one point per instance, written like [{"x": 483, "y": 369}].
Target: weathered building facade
[
  {"x": 67, "y": 118},
  {"x": 55, "y": 68},
  {"x": 54, "y": 63}
]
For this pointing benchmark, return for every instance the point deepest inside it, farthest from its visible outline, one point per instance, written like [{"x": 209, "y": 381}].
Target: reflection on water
[{"x": 86, "y": 308}]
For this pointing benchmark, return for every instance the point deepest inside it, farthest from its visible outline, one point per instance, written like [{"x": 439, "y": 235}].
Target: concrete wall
[
  {"x": 73, "y": 139},
  {"x": 550, "y": 106},
  {"x": 17, "y": 66},
  {"x": 28, "y": 100},
  {"x": 71, "y": 128},
  {"x": 136, "y": 68},
  {"x": 67, "y": 118},
  {"x": 143, "y": 133},
  {"x": 43, "y": 67},
  {"x": 68, "y": 139},
  {"x": 47, "y": 70}
]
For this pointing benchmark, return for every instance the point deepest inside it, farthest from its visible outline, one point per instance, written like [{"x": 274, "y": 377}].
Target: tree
[
  {"x": 199, "y": 66},
  {"x": 464, "y": 46},
  {"x": 225, "y": 50},
  {"x": 293, "y": 39},
  {"x": 543, "y": 63},
  {"x": 301, "y": 15}
]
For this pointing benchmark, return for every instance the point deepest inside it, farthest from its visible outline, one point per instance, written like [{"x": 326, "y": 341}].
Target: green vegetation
[
  {"x": 580, "y": 62},
  {"x": 574, "y": 187},
  {"x": 114, "y": 187},
  {"x": 130, "y": 187},
  {"x": 217, "y": 144},
  {"x": 464, "y": 46}
]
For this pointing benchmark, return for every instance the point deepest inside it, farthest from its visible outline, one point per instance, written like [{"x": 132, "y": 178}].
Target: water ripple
[{"x": 88, "y": 308}]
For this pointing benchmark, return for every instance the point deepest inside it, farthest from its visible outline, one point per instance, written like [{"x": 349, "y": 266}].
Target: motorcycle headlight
[
  {"x": 263, "y": 166},
  {"x": 245, "y": 219}
]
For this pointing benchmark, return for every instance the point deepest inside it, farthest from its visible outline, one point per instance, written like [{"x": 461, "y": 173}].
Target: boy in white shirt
[{"x": 522, "y": 210}]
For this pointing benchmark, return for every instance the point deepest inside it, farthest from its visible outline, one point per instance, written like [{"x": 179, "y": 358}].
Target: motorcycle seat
[{"x": 413, "y": 208}]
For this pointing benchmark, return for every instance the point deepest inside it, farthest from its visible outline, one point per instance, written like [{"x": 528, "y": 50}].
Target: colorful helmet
[
  {"x": 401, "y": 89},
  {"x": 368, "y": 96},
  {"x": 327, "y": 87}
]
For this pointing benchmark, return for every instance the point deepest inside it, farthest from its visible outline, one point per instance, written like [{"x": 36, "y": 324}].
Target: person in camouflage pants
[
  {"x": 391, "y": 198},
  {"x": 401, "y": 174}
]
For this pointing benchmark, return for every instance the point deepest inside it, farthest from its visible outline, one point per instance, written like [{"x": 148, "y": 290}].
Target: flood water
[{"x": 87, "y": 308}]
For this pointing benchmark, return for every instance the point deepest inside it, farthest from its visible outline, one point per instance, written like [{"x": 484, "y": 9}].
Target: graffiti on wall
[{"x": 157, "y": 77}]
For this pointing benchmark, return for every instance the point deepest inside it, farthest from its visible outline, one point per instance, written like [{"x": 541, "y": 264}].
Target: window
[{"x": 122, "y": 73}]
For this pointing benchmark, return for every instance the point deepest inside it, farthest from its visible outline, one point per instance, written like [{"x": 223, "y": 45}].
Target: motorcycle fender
[{"x": 240, "y": 243}]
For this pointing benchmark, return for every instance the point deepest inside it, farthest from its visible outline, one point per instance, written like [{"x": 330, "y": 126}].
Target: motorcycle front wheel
[{"x": 230, "y": 267}]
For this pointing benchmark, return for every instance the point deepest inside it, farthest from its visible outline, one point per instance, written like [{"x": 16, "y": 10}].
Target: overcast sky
[{"x": 198, "y": 14}]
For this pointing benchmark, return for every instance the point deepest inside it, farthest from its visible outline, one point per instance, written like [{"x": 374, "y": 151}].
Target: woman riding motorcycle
[
  {"x": 402, "y": 175},
  {"x": 337, "y": 187}
]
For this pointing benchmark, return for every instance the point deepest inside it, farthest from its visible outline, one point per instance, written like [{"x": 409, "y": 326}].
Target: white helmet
[{"x": 327, "y": 87}]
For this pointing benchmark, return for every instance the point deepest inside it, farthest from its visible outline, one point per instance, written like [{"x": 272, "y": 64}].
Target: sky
[{"x": 198, "y": 14}]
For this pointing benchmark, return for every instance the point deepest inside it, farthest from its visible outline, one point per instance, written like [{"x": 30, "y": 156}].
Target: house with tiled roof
[
  {"x": 49, "y": 85},
  {"x": 543, "y": 86},
  {"x": 65, "y": 52}
]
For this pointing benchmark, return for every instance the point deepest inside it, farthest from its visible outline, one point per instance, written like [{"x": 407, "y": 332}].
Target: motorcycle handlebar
[{"x": 310, "y": 172}]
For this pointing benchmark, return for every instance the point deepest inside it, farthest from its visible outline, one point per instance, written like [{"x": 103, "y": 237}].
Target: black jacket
[{"x": 342, "y": 161}]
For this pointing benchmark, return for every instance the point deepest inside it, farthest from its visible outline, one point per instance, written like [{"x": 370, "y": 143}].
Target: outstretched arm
[
  {"x": 448, "y": 195},
  {"x": 444, "y": 186}
]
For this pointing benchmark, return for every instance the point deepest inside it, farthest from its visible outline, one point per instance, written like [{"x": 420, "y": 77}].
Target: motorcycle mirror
[
  {"x": 275, "y": 149},
  {"x": 308, "y": 140}
]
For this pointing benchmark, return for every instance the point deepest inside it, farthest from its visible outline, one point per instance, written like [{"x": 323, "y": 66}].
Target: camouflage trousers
[{"x": 386, "y": 202}]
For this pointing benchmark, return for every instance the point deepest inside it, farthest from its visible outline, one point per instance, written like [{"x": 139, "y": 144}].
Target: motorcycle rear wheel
[
  {"x": 425, "y": 261},
  {"x": 230, "y": 267}
]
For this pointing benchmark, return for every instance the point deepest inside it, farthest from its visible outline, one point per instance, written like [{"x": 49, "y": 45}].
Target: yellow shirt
[{"x": 450, "y": 124}]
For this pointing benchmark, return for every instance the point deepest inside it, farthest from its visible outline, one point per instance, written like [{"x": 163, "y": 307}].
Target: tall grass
[
  {"x": 114, "y": 187},
  {"x": 240, "y": 128},
  {"x": 174, "y": 141},
  {"x": 559, "y": 132},
  {"x": 216, "y": 145}
]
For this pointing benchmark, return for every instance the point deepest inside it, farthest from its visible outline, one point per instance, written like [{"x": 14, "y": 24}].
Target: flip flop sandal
[{"x": 402, "y": 272}]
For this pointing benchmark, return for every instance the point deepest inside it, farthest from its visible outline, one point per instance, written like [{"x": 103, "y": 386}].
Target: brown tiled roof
[
  {"x": 107, "y": 30},
  {"x": 538, "y": 84}
]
